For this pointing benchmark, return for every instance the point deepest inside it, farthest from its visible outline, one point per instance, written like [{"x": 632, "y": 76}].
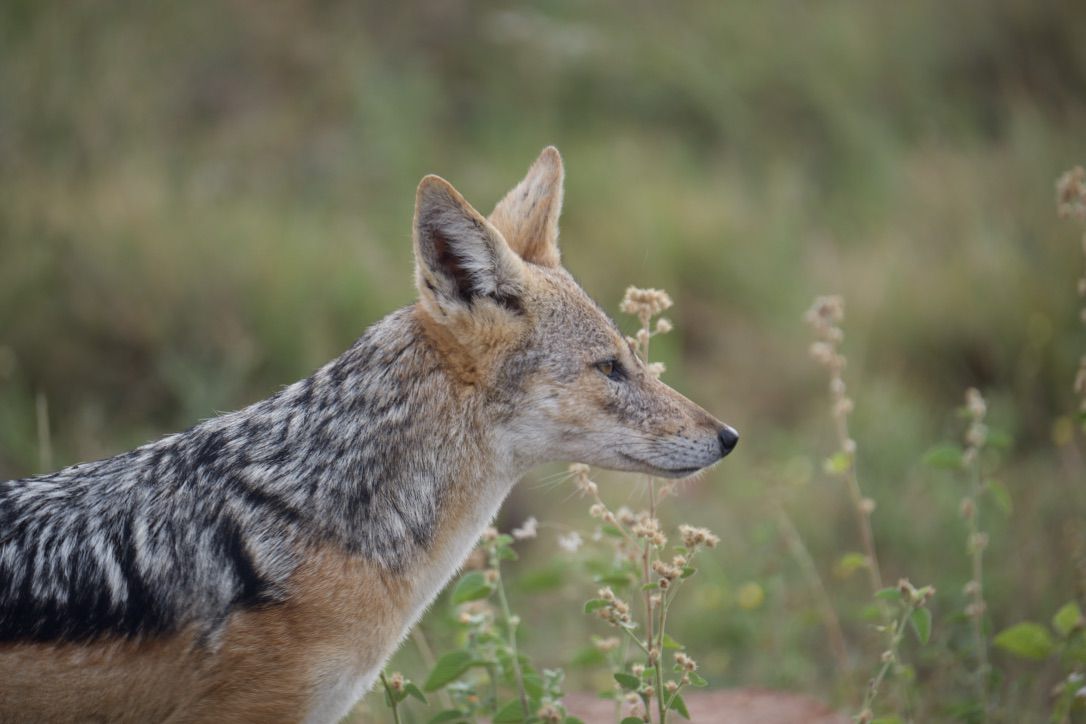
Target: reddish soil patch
[{"x": 731, "y": 706}]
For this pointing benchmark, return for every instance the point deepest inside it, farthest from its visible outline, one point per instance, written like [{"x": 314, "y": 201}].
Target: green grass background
[{"x": 201, "y": 202}]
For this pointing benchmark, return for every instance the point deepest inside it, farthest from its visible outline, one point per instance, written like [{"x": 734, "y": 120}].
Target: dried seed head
[
  {"x": 685, "y": 662},
  {"x": 663, "y": 325},
  {"x": 549, "y": 714},
  {"x": 975, "y": 404},
  {"x": 606, "y": 645},
  {"x": 396, "y": 681},
  {"x": 645, "y": 303},
  {"x": 978, "y": 542},
  {"x": 822, "y": 352},
  {"x": 1071, "y": 194},
  {"x": 826, "y": 311},
  {"x": 976, "y": 435}
]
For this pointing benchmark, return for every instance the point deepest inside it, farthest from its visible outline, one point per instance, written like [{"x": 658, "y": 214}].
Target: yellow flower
[{"x": 750, "y": 596}]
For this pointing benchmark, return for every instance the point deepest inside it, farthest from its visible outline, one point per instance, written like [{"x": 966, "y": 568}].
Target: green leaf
[
  {"x": 1001, "y": 496},
  {"x": 871, "y": 612},
  {"x": 448, "y": 715},
  {"x": 649, "y": 586},
  {"x": 889, "y": 594},
  {"x": 628, "y": 681},
  {"x": 632, "y": 720},
  {"x": 849, "y": 563},
  {"x": 448, "y": 667},
  {"x": 595, "y": 604},
  {"x": 612, "y": 530},
  {"x": 471, "y": 587},
  {"x": 648, "y": 673},
  {"x": 838, "y": 463},
  {"x": 670, "y": 643},
  {"x": 618, "y": 580},
  {"x": 688, "y": 571},
  {"x": 944, "y": 457},
  {"x": 887, "y": 720},
  {"x": 1027, "y": 640},
  {"x": 533, "y": 685},
  {"x": 511, "y": 712},
  {"x": 921, "y": 622},
  {"x": 415, "y": 692},
  {"x": 697, "y": 680},
  {"x": 506, "y": 553},
  {"x": 679, "y": 707},
  {"x": 1067, "y": 619},
  {"x": 572, "y": 720}
]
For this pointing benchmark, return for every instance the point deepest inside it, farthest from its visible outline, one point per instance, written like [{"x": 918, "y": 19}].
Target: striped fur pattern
[
  {"x": 187, "y": 528},
  {"x": 262, "y": 565}
]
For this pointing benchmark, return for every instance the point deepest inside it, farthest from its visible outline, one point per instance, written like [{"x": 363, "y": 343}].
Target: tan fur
[
  {"x": 268, "y": 665},
  {"x": 469, "y": 349}
]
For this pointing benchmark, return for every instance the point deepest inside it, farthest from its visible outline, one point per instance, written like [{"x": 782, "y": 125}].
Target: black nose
[{"x": 729, "y": 438}]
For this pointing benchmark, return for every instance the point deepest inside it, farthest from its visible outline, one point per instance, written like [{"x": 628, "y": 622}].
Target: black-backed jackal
[{"x": 263, "y": 565}]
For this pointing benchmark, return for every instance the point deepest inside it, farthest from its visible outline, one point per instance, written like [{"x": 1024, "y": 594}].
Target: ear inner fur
[
  {"x": 528, "y": 215},
  {"x": 460, "y": 257}
]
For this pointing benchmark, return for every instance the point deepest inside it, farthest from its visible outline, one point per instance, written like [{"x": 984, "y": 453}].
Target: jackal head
[{"x": 514, "y": 326}]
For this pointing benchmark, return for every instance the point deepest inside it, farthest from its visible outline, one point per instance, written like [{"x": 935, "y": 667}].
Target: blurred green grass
[{"x": 201, "y": 202}]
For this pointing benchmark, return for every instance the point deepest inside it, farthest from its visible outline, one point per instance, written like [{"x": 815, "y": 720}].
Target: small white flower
[
  {"x": 570, "y": 542},
  {"x": 527, "y": 529}
]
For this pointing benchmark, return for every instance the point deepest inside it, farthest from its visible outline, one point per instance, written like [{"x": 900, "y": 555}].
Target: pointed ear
[
  {"x": 460, "y": 258},
  {"x": 528, "y": 215}
]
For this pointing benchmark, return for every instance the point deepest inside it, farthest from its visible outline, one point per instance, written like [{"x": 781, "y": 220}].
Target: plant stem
[
  {"x": 863, "y": 517},
  {"x": 507, "y": 616},
  {"x": 889, "y": 657},
  {"x": 646, "y": 559},
  {"x": 660, "y": 703},
  {"x": 980, "y": 678},
  {"x": 430, "y": 660},
  {"x": 391, "y": 698},
  {"x": 806, "y": 563}
]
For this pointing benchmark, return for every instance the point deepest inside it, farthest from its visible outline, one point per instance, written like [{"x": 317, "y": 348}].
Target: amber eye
[{"x": 610, "y": 368}]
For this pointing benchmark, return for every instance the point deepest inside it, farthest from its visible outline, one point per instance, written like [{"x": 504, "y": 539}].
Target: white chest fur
[{"x": 344, "y": 678}]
